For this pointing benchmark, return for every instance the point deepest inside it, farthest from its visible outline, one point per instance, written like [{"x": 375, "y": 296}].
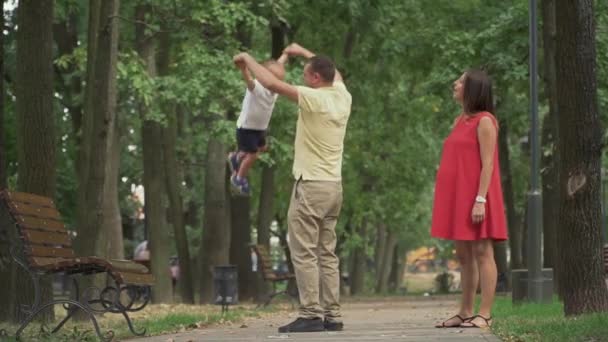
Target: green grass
[{"x": 545, "y": 322}]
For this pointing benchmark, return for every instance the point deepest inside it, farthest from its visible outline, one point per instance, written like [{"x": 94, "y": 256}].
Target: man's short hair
[{"x": 324, "y": 66}]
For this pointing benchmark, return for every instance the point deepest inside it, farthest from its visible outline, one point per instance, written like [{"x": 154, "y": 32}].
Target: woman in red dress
[{"x": 468, "y": 206}]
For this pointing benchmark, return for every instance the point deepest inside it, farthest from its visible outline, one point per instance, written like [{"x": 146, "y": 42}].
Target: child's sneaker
[
  {"x": 233, "y": 162},
  {"x": 239, "y": 186}
]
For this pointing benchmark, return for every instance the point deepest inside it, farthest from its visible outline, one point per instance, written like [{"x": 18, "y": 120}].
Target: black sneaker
[
  {"x": 303, "y": 325},
  {"x": 333, "y": 325}
]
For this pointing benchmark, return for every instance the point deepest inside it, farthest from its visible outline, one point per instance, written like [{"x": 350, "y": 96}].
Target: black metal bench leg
[
  {"x": 130, "y": 324},
  {"x": 71, "y": 310},
  {"x": 108, "y": 335}
]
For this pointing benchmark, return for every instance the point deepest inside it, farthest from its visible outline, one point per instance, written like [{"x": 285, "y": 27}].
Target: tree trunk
[
  {"x": 86, "y": 139},
  {"x": 502, "y": 266},
  {"x": 216, "y": 222},
  {"x": 3, "y": 175},
  {"x": 265, "y": 214},
  {"x": 66, "y": 38},
  {"x": 36, "y": 139},
  {"x": 580, "y": 149},
  {"x": 387, "y": 262},
  {"x": 174, "y": 180},
  {"x": 515, "y": 233},
  {"x": 99, "y": 121},
  {"x": 6, "y": 266},
  {"x": 549, "y": 139},
  {"x": 282, "y": 236},
  {"x": 379, "y": 252},
  {"x": 153, "y": 178},
  {"x": 359, "y": 266},
  {"x": 112, "y": 220},
  {"x": 240, "y": 252},
  {"x": 396, "y": 277}
]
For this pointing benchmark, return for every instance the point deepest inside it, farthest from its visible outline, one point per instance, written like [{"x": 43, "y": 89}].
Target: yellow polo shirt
[{"x": 322, "y": 118}]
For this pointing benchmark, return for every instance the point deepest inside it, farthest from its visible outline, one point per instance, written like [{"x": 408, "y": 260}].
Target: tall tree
[
  {"x": 385, "y": 269},
  {"x": 216, "y": 221},
  {"x": 36, "y": 138},
  {"x": 154, "y": 180},
  {"x": 98, "y": 125},
  {"x": 5, "y": 265},
  {"x": 65, "y": 33},
  {"x": 240, "y": 254},
  {"x": 515, "y": 231},
  {"x": 3, "y": 175},
  {"x": 549, "y": 137},
  {"x": 267, "y": 188},
  {"x": 580, "y": 147},
  {"x": 174, "y": 177}
]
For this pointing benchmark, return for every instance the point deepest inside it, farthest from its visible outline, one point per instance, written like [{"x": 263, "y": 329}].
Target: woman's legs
[
  {"x": 469, "y": 278},
  {"x": 484, "y": 255}
]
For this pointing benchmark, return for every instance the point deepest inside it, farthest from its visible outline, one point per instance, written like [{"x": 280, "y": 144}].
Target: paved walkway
[{"x": 395, "y": 320}]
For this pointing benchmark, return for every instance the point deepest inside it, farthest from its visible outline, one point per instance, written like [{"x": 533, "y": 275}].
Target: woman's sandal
[
  {"x": 462, "y": 320},
  {"x": 470, "y": 324}
]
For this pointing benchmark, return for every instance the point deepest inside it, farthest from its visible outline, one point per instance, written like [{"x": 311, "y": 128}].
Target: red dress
[{"x": 457, "y": 184}]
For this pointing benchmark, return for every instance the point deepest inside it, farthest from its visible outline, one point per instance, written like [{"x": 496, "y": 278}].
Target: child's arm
[{"x": 246, "y": 76}]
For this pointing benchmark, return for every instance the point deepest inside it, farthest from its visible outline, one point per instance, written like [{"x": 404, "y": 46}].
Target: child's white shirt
[{"x": 257, "y": 108}]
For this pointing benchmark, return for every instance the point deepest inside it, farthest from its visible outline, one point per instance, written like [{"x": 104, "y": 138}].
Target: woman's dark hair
[
  {"x": 324, "y": 66},
  {"x": 477, "y": 92}
]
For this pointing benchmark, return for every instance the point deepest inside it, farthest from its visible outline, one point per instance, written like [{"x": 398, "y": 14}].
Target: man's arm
[
  {"x": 246, "y": 76},
  {"x": 266, "y": 78}
]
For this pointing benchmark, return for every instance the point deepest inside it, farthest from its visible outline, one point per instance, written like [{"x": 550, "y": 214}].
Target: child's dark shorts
[{"x": 250, "y": 140}]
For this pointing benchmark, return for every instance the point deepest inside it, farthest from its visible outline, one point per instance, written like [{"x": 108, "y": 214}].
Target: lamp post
[{"x": 534, "y": 276}]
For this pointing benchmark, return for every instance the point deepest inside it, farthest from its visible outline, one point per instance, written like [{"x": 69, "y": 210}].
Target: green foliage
[{"x": 399, "y": 59}]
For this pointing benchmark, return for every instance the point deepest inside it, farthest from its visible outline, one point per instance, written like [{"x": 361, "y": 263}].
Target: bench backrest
[
  {"x": 264, "y": 261},
  {"x": 40, "y": 228}
]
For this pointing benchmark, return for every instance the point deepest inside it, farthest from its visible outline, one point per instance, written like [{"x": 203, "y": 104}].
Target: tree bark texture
[
  {"x": 36, "y": 138},
  {"x": 515, "y": 233},
  {"x": 580, "y": 146},
  {"x": 153, "y": 178},
  {"x": 550, "y": 157},
  {"x": 240, "y": 252},
  {"x": 216, "y": 222}
]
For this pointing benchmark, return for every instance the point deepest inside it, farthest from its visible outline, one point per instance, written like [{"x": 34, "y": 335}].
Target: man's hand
[{"x": 294, "y": 49}]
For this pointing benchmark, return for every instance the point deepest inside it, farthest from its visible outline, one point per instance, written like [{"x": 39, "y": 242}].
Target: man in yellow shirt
[{"x": 324, "y": 107}]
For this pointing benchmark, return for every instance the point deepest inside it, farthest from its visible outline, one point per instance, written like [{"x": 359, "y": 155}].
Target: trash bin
[{"x": 225, "y": 286}]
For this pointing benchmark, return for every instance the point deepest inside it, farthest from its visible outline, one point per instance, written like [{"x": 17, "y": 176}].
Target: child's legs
[
  {"x": 249, "y": 142},
  {"x": 246, "y": 163}
]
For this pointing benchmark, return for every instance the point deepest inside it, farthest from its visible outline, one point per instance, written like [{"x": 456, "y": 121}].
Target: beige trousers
[{"x": 313, "y": 213}]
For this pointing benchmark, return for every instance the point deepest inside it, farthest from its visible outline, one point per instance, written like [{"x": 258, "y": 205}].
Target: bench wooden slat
[
  {"x": 38, "y": 223},
  {"x": 134, "y": 278},
  {"x": 26, "y": 209},
  {"x": 64, "y": 263},
  {"x": 46, "y": 238},
  {"x": 41, "y": 251},
  {"x": 265, "y": 263},
  {"x": 29, "y": 198}
]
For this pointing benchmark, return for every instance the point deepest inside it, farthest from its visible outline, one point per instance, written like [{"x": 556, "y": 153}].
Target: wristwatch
[{"x": 480, "y": 199}]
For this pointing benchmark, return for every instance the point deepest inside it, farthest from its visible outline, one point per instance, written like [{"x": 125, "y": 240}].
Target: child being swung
[{"x": 252, "y": 124}]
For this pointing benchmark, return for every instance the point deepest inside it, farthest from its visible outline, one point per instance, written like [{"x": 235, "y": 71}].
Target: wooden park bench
[
  {"x": 43, "y": 247},
  {"x": 269, "y": 275}
]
